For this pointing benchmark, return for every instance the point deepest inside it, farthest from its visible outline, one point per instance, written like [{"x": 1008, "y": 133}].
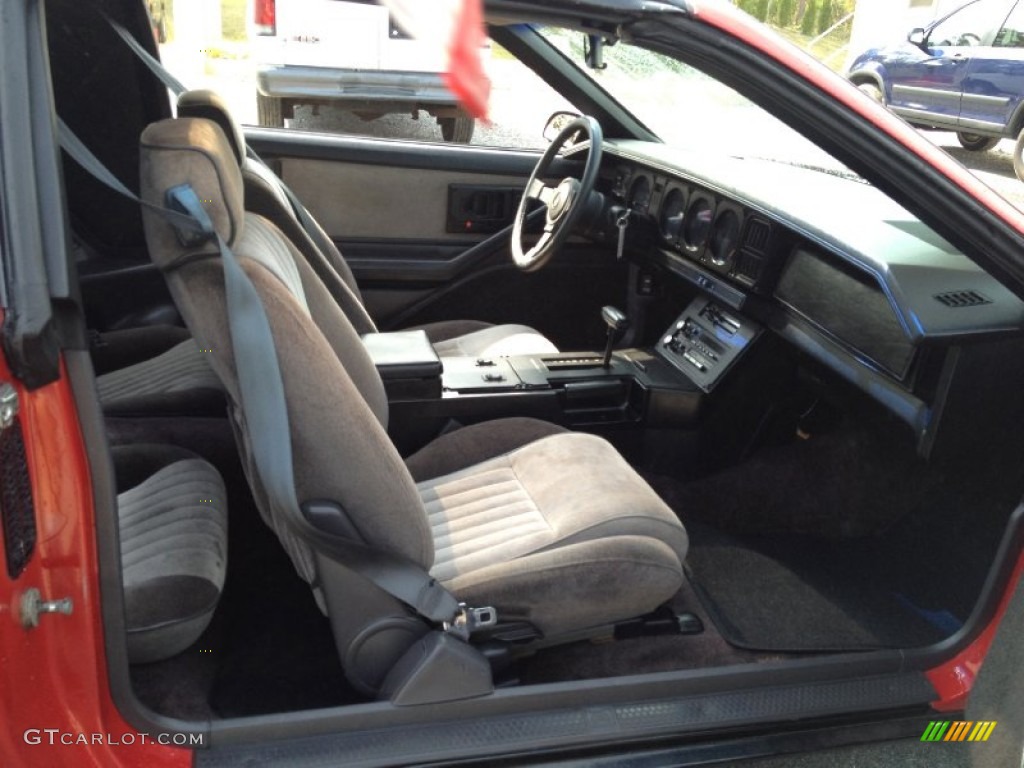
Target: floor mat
[{"x": 801, "y": 593}]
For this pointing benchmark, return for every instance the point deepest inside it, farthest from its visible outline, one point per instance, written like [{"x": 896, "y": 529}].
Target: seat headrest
[
  {"x": 209, "y": 105},
  {"x": 189, "y": 151}
]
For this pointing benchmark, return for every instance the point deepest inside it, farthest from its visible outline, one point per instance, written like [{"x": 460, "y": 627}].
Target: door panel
[
  {"x": 928, "y": 84},
  {"x": 994, "y": 85},
  {"x": 358, "y": 201}
]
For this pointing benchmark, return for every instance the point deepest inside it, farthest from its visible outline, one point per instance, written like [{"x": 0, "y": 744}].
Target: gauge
[
  {"x": 697, "y": 224},
  {"x": 671, "y": 218},
  {"x": 640, "y": 194},
  {"x": 724, "y": 237}
]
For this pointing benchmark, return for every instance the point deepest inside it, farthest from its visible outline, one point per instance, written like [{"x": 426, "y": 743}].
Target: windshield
[{"x": 687, "y": 108}]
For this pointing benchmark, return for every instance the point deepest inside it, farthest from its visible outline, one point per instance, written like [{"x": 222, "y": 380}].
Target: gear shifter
[{"x": 617, "y": 323}]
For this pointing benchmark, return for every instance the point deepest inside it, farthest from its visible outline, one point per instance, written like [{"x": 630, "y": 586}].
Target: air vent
[
  {"x": 957, "y": 299},
  {"x": 756, "y": 236},
  {"x": 748, "y": 268}
]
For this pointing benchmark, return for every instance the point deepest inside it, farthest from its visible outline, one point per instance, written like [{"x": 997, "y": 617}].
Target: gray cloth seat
[
  {"x": 172, "y": 520},
  {"x": 154, "y": 370},
  {"x": 562, "y": 517},
  {"x": 177, "y": 380},
  {"x": 547, "y": 526},
  {"x": 264, "y": 195}
]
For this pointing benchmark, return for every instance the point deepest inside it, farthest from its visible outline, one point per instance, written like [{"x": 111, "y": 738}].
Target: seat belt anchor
[{"x": 469, "y": 620}]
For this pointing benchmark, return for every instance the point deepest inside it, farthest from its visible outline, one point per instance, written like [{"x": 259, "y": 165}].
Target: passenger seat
[{"x": 173, "y": 523}]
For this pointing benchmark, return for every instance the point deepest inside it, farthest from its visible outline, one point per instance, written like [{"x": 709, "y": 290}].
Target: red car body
[{"x": 56, "y": 684}]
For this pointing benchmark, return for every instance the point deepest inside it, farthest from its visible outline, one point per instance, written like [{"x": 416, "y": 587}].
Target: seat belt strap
[
  {"x": 152, "y": 63},
  {"x": 177, "y": 87},
  {"x": 263, "y": 402}
]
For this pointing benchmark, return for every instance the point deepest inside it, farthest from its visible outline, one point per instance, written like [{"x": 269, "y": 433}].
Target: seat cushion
[
  {"x": 179, "y": 380},
  {"x": 466, "y": 446},
  {"x": 561, "y": 532},
  {"x": 172, "y": 514},
  {"x": 470, "y": 338}
]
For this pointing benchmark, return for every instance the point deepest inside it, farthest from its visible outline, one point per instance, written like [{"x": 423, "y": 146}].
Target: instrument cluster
[{"x": 698, "y": 223}]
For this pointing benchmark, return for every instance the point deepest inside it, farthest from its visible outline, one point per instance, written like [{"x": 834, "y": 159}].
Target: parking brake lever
[{"x": 617, "y": 323}]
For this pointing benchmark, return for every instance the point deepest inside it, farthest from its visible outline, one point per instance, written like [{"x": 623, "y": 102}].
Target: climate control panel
[{"x": 706, "y": 340}]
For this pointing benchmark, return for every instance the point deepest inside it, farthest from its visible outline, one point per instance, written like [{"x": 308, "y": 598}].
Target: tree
[
  {"x": 750, "y": 6},
  {"x": 809, "y": 22},
  {"x": 760, "y": 10},
  {"x": 826, "y": 16},
  {"x": 784, "y": 12}
]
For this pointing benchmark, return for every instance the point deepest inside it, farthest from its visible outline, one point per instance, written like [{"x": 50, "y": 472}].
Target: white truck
[{"x": 347, "y": 54}]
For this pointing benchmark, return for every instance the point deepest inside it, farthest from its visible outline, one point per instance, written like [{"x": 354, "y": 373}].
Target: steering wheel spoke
[
  {"x": 538, "y": 190},
  {"x": 565, "y": 202},
  {"x": 542, "y": 243}
]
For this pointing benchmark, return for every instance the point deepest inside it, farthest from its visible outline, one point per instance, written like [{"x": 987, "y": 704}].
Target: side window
[
  {"x": 966, "y": 27},
  {"x": 344, "y": 67},
  {"x": 1012, "y": 33}
]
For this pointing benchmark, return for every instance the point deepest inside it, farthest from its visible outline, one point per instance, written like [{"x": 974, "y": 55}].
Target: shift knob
[
  {"x": 614, "y": 318},
  {"x": 617, "y": 322}
]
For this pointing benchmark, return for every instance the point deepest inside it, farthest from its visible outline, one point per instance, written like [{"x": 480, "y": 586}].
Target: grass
[
  {"x": 830, "y": 51},
  {"x": 232, "y": 19}
]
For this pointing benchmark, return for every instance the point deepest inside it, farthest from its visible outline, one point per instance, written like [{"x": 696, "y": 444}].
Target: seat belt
[
  {"x": 152, "y": 63},
  {"x": 173, "y": 84},
  {"x": 261, "y": 391}
]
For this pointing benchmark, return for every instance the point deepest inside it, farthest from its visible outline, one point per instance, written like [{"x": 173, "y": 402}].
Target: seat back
[
  {"x": 266, "y": 195},
  {"x": 337, "y": 408}
]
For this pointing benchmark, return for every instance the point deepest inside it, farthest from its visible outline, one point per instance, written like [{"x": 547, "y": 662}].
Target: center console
[{"x": 660, "y": 387}]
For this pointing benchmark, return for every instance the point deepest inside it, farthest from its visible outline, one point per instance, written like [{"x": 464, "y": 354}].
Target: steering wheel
[{"x": 565, "y": 202}]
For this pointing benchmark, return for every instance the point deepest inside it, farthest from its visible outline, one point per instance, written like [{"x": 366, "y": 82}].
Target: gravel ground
[{"x": 994, "y": 167}]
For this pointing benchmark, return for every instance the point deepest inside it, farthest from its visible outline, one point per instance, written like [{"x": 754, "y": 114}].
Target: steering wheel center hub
[{"x": 564, "y": 195}]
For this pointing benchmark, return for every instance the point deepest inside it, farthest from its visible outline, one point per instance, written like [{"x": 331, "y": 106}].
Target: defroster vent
[{"x": 967, "y": 298}]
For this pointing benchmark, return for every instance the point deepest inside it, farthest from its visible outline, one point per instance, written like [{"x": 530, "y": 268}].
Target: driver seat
[
  {"x": 265, "y": 195},
  {"x": 179, "y": 381},
  {"x": 551, "y": 528}
]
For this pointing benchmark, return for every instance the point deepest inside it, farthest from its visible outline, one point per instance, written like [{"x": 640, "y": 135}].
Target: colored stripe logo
[{"x": 958, "y": 730}]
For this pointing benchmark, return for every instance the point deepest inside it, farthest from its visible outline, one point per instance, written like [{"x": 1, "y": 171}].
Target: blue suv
[{"x": 962, "y": 73}]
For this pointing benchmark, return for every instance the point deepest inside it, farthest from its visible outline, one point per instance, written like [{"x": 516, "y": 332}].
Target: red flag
[{"x": 458, "y": 26}]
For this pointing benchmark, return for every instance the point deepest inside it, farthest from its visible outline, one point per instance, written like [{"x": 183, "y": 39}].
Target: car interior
[{"x": 682, "y": 416}]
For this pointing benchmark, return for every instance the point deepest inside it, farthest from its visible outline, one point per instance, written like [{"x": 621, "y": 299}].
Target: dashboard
[{"x": 824, "y": 260}]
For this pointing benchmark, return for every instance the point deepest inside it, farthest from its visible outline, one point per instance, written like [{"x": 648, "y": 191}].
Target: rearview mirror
[
  {"x": 916, "y": 37},
  {"x": 556, "y": 123}
]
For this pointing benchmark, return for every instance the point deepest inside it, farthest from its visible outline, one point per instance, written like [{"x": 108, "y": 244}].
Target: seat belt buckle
[{"x": 469, "y": 620}]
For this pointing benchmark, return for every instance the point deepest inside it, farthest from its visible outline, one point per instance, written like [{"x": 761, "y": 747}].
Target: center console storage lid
[{"x": 403, "y": 355}]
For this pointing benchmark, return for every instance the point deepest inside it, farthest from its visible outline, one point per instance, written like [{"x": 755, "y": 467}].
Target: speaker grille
[{"x": 16, "y": 507}]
